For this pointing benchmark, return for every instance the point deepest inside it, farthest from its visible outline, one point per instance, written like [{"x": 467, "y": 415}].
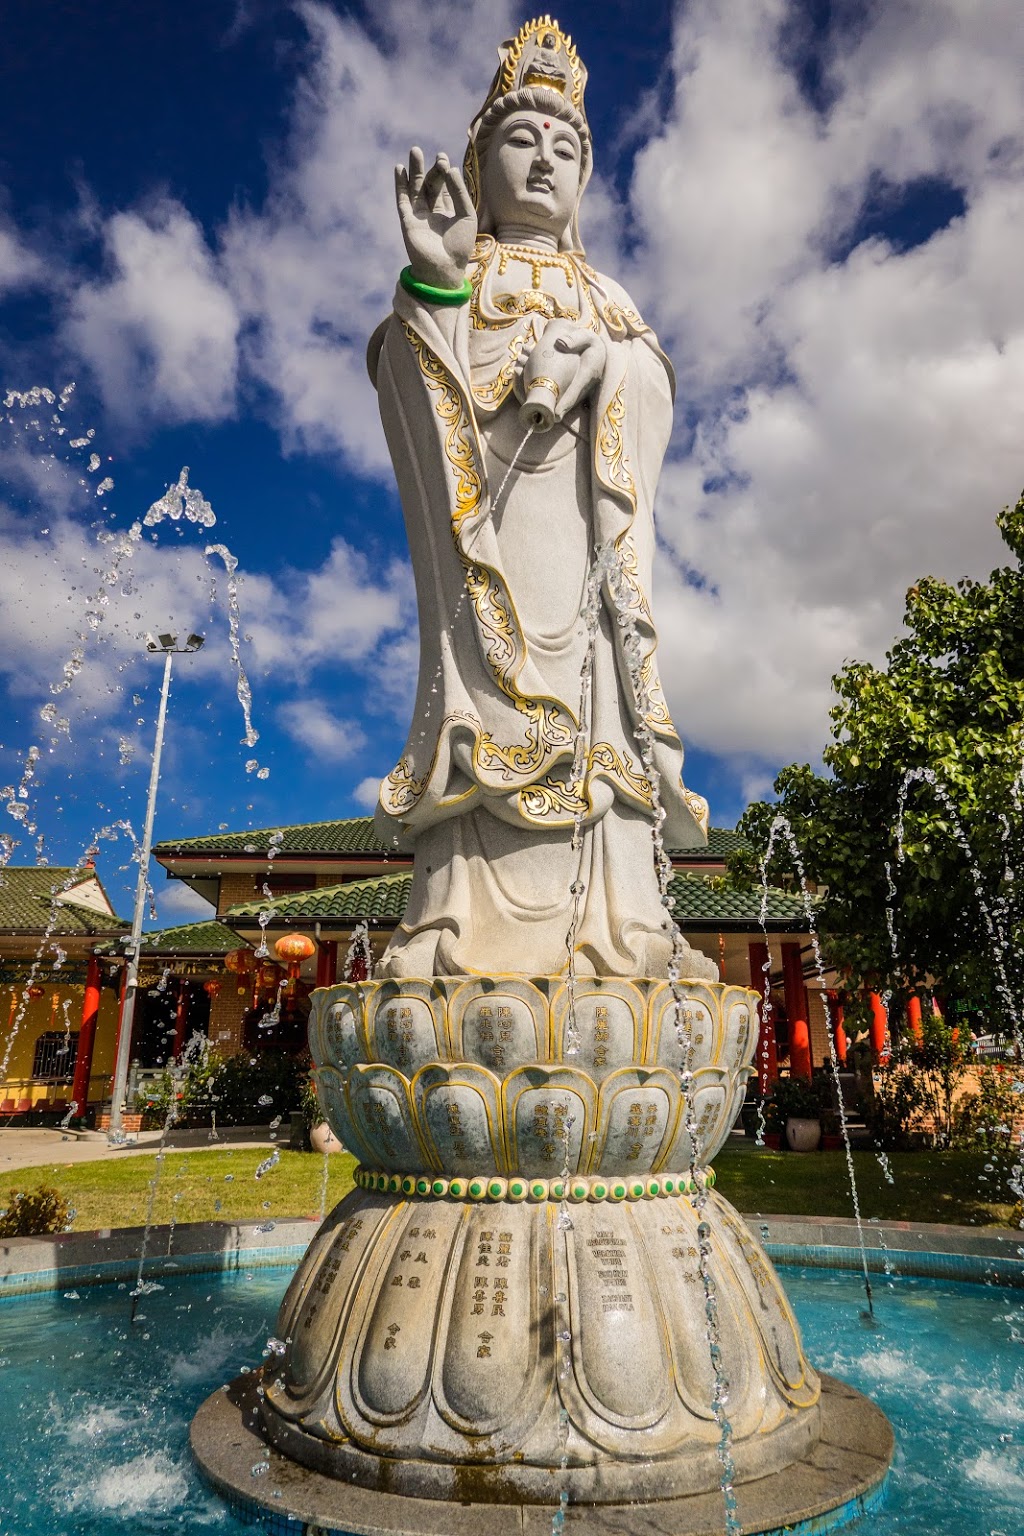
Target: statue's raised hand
[{"x": 438, "y": 220}]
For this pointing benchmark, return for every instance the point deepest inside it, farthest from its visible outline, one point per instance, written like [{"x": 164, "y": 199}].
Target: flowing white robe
[{"x": 484, "y": 791}]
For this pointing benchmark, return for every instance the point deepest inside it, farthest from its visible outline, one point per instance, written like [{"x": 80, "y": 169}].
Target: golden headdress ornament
[{"x": 541, "y": 58}]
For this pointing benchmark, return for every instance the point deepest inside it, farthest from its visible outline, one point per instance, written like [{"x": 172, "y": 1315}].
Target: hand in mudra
[{"x": 438, "y": 220}]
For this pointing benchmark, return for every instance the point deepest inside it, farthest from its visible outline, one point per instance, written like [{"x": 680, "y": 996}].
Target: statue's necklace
[{"x": 537, "y": 261}]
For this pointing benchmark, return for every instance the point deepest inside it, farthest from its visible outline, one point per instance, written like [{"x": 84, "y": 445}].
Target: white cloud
[
  {"x": 327, "y": 737},
  {"x": 19, "y": 266},
  {"x": 177, "y": 902},
  {"x": 314, "y": 270},
  {"x": 160, "y": 331},
  {"x": 860, "y": 416},
  {"x": 367, "y": 792}
]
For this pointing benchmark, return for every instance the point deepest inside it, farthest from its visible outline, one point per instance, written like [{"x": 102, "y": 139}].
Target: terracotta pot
[
  {"x": 323, "y": 1139},
  {"x": 773, "y": 1140},
  {"x": 802, "y": 1135},
  {"x": 830, "y": 1143}
]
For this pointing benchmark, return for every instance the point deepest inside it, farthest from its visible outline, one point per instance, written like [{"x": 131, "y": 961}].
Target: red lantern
[
  {"x": 267, "y": 975},
  {"x": 240, "y": 963},
  {"x": 293, "y": 948},
  {"x": 36, "y": 992},
  {"x": 212, "y": 989}
]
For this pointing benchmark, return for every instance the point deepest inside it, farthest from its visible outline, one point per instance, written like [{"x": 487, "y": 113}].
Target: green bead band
[
  {"x": 431, "y": 295},
  {"x": 495, "y": 1187}
]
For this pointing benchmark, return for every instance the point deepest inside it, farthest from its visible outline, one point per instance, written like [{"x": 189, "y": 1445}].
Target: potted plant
[{"x": 798, "y": 1106}]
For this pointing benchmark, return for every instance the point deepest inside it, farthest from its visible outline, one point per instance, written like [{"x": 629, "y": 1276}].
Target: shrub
[
  {"x": 911, "y": 1101},
  {"x": 31, "y": 1212},
  {"x": 796, "y": 1098},
  {"x": 990, "y": 1120},
  {"x": 236, "y": 1090}
]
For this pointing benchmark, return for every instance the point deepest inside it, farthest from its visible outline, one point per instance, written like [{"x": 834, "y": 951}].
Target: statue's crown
[{"x": 540, "y": 54}]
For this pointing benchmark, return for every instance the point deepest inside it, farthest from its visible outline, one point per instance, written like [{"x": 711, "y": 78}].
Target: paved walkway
[{"x": 36, "y": 1146}]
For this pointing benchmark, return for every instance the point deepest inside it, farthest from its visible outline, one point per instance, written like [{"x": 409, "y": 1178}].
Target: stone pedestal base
[
  {"x": 842, "y": 1479},
  {"x": 505, "y": 1349}
]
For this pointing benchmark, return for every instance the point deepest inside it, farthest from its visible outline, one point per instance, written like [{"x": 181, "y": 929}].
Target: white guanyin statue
[
  {"x": 534, "y": 1297},
  {"x": 498, "y": 287}
]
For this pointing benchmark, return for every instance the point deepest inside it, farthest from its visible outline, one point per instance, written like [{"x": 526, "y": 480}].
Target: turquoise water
[{"x": 94, "y": 1414}]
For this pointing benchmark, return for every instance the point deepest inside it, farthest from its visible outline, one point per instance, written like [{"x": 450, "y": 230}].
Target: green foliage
[
  {"x": 950, "y": 699},
  {"x": 31, "y": 1212},
  {"x": 796, "y": 1098},
  {"x": 236, "y": 1090},
  {"x": 991, "y": 1119},
  {"x": 912, "y": 1099}
]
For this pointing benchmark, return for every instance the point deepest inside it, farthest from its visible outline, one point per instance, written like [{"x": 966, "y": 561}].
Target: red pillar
[
  {"x": 326, "y": 962},
  {"x": 180, "y": 1019},
  {"x": 914, "y": 1018},
  {"x": 878, "y": 1026},
  {"x": 767, "y": 1060},
  {"x": 796, "y": 1008},
  {"x": 359, "y": 965},
  {"x": 835, "y": 1008},
  {"x": 87, "y": 1035}
]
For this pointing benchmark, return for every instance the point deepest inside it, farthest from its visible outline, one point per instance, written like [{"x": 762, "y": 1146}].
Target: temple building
[
  {"x": 60, "y": 1004},
  {"x": 320, "y": 883}
]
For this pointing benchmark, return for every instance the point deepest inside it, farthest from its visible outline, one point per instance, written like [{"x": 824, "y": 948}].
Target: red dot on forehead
[{"x": 547, "y": 125}]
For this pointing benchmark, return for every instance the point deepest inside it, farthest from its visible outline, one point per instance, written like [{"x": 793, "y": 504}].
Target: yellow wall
[{"x": 38, "y": 1018}]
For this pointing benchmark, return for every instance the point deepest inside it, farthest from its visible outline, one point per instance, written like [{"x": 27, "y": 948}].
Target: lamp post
[{"x": 168, "y": 646}]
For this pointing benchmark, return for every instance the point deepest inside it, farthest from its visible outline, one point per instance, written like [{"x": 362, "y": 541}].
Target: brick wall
[
  {"x": 233, "y": 889},
  {"x": 226, "y": 1012}
]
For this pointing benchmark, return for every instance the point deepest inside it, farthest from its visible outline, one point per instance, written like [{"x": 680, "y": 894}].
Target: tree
[{"x": 949, "y": 701}]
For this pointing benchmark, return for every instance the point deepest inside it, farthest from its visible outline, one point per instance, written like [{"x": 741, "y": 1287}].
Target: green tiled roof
[
  {"x": 385, "y": 896},
  {"x": 721, "y": 842},
  {"x": 26, "y": 893},
  {"x": 207, "y": 938},
  {"x": 356, "y": 834},
  {"x": 703, "y": 903},
  {"x": 699, "y": 903}
]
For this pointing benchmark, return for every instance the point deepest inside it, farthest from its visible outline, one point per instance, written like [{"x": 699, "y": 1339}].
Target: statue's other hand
[
  {"x": 593, "y": 355},
  {"x": 438, "y": 220}
]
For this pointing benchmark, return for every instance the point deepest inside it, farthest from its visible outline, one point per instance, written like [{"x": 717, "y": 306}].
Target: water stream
[{"x": 780, "y": 824}]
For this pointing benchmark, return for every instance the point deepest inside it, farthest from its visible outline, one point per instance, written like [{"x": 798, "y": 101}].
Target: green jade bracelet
[{"x": 431, "y": 295}]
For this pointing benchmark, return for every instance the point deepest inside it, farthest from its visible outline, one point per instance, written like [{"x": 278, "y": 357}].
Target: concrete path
[{"x": 36, "y": 1146}]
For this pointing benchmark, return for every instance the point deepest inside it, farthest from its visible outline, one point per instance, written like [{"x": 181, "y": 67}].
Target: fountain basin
[{"x": 95, "y": 1415}]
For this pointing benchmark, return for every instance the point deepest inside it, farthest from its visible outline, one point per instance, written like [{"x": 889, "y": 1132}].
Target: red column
[
  {"x": 359, "y": 965},
  {"x": 327, "y": 963},
  {"x": 835, "y": 1008},
  {"x": 180, "y": 1018},
  {"x": 87, "y": 1035},
  {"x": 914, "y": 1018},
  {"x": 767, "y": 1060},
  {"x": 796, "y": 1008},
  {"x": 877, "y": 1029}
]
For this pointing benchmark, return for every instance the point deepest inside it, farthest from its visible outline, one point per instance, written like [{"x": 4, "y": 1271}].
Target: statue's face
[{"x": 531, "y": 174}]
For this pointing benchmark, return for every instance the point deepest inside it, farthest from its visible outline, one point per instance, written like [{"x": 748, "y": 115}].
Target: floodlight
[{"x": 168, "y": 642}]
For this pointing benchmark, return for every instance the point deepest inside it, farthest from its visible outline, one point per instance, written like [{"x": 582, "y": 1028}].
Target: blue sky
[{"x": 819, "y": 207}]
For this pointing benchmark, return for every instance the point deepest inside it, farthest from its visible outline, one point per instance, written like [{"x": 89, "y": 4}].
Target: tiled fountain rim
[{"x": 72, "y": 1259}]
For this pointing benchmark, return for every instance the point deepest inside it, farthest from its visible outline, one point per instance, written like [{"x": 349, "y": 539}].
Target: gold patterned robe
[{"x": 484, "y": 791}]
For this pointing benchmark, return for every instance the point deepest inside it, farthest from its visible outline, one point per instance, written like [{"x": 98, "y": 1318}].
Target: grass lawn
[
  {"x": 204, "y": 1185},
  {"x": 220, "y": 1185},
  {"x": 928, "y": 1186}
]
